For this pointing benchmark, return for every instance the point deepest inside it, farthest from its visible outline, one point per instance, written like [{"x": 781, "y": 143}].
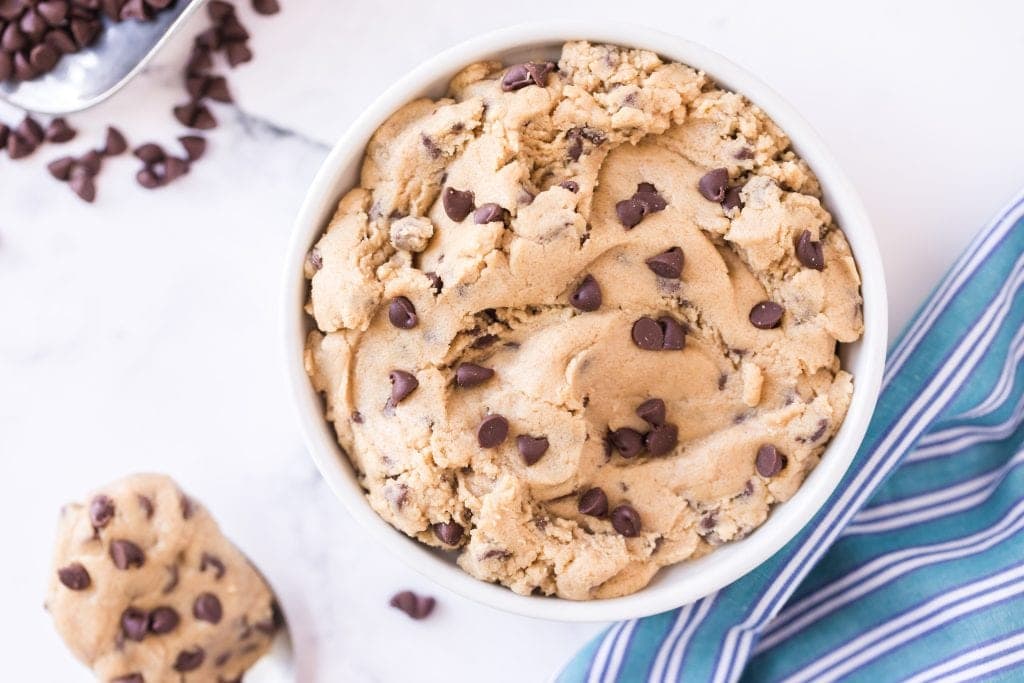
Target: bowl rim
[{"x": 729, "y": 562}]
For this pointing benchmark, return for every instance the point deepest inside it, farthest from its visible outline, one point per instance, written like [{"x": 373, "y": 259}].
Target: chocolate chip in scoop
[
  {"x": 652, "y": 411},
  {"x": 648, "y": 334},
  {"x": 674, "y": 333},
  {"x": 645, "y": 201},
  {"x": 531, "y": 448},
  {"x": 126, "y": 554},
  {"x": 662, "y": 439},
  {"x": 587, "y": 296},
  {"x": 626, "y": 520},
  {"x": 189, "y": 660},
  {"x": 74, "y": 576},
  {"x": 810, "y": 252},
  {"x": 101, "y": 511},
  {"x": 207, "y": 607},
  {"x": 402, "y": 384},
  {"x": 457, "y": 203},
  {"x": 492, "y": 431},
  {"x": 713, "y": 184},
  {"x": 732, "y": 198},
  {"x": 769, "y": 460},
  {"x": 766, "y": 315},
  {"x": 490, "y": 213},
  {"x": 522, "y": 75},
  {"x": 668, "y": 264},
  {"x": 163, "y": 620},
  {"x": 594, "y": 503},
  {"x": 449, "y": 533},
  {"x": 402, "y": 313},
  {"x": 628, "y": 442},
  {"x": 134, "y": 624},
  {"x": 470, "y": 375}
]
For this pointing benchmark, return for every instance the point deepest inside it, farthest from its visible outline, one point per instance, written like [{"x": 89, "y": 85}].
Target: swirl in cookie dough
[{"x": 578, "y": 323}]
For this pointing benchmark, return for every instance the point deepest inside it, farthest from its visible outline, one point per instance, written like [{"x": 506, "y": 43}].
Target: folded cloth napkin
[{"x": 913, "y": 573}]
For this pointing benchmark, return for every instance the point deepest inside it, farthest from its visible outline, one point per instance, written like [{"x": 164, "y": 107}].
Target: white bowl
[{"x": 676, "y": 585}]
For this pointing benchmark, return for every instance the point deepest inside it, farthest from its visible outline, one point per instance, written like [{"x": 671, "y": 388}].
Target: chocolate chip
[
  {"x": 652, "y": 411},
  {"x": 587, "y": 296},
  {"x": 769, "y": 460},
  {"x": 5, "y": 130},
  {"x": 85, "y": 31},
  {"x": 457, "y": 203},
  {"x": 126, "y": 554},
  {"x": 150, "y": 153},
  {"x": 238, "y": 53},
  {"x": 18, "y": 147},
  {"x": 492, "y": 431},
  {"x": 766, "y": 315},
  {"x": 483, "y": 341},
  {"x": 809, "y": 252},
  {"x": 570, "y": 185},
  {"x": 147, "y": 179},
  {"x": 188, "y": 508},
  {"x": 91, "y": 162},
  {"x": 648, "y": 334},
  {"x": 630, "y": 212},
  {"x": 53, "y": 11},
  {"x": 402, "y": 313},
  {"x": 662, "y": 439},
  {"x": 402, "y": 384},
  {"x": 194, "y": 146},
  {"x": 12, "y": 38},
  {"x": 195, "y": 115},
  {"x": 61, "y": 168},
  {"x": 531, "y": 448},
  {"x": 668, "y": 264},
  {"x": 674, "y": 333},
  {"x": 219, "y": 10},
  {"x": 30, "y": 130},
  {"x": 593, "y": 503},
  {"x": 189, "y": 660},
  {"x": 626, "y": 521},
  {"x": 59, "y": 131},
  {"x": 435, "y": 282},
  {"x": 713, "y": 184},
  {"x": 449, "y": 533},
  {"x": 266, "y": 7},
  {"x": 172, "y": 579},
  {"x": 129, "y": 678},
  {"x": 43, "y": 57},
  {"x": 101, "y": 511},
  {"x": 644, "y": 202},
  {"x": 163, "y": 620},
  {"x": 628, "y": 442},
  {"x": 522, "y": 75},
  {"x": 115, "y": 143},
  {"x": 469, "y": 375},
  {"x": 134, "y": 624},
  {"x": 207, "y": 607},
  {"x": 214, "y": 562},
  {"x": 490, "y": 213},
  {"x": 74, "y": 576},
  {"x": 416, "y": 606},
  {"x": 732, "y": 198},
  {"x": 6, "y": 66}
]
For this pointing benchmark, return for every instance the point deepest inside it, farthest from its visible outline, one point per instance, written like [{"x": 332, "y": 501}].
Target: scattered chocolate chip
[
  {"x": 652, "y": 411},
  {"x": 626, "y": 521},
  {"x": 449, "y": 533},
  {"x": 402, "y": 384},
  {"x": 30, "y": 130},
  {"x": 766, "y": 315},
  {"x": 469, "y": 375},
  {"x": 713, "y": 184},
  {"x": 674, "y": 333},
  {"x": 266, "y": 7},
  {"x": 214, "y": 562},
  {"x": 570, "y": 185},
  {"x": 18, "y": 147},
  {"x": 163, "y": 620},
  {"x": 194, "y": 146},
  {"x": 147, "y": 179},
  {"x": 668, "y": 264},
  {"x": 490, "y": 213},
  {"x": 195, "y": 115},
  {"x": 126, "y": 554},
  {"x": 648, "y": 334},
  {"x": 531, "y": 448},
  {"x": 74, "y": 576},
  {"x": 587, "y": 296},
  {"x": 101, "y": 511},
  {"x": 207, "y": 607},
  {"x": 189, "y": 660},
  {"x": 61, "y": 168},
  {"x": 809, "y": 252},
  {"x": 150, "y": 153},
  {"x": 402, "y": 313},
  {"x": 115, "y": 143},
  {"x": 769, "y": 460},
  {"x": 662, "y": 439},
  {"x": 238, "y": 53},
  {"x": 732, "y": 198},
  {"x": 492, "y": 431},
  {"x": 82, "y": 184},
  {"x": 457, "y": 203},
  {"x": 134, "y": 624},
  {"x": 416, "y": 606},
  {"x": 645, "y": 201},
  {"x": 219, "y": 10},
  {"x": 522, "y": 75},
  {"x": 90, "y": 162},
  {"x": 593, "y": 503},
  {"x": 5, "y": 130},
  {"x": 59, "y": 131}
]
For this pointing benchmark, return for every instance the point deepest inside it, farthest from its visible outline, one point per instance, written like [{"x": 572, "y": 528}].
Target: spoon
[{"x": 90, "y": 76}]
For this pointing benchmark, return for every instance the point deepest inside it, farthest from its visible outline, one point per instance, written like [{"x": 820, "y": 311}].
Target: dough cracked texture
[
  {"x": 493, "y": 286},
  {"x": 146, "y": 589}
]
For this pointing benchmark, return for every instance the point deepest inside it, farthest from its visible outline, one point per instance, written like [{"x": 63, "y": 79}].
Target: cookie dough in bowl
[{"x": 578, "y": 321}]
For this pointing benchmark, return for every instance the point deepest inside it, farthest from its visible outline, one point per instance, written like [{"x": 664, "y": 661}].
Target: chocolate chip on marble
[
  {"x": 570, "y": 185},
  {"x": 648, "y": 334},
  {"x": 587, "y": 296},
  {"x": 150, "y": 153},
  {"x": 126, "y": 554},
  {"x": 115, "y": 143},
  {"x": 531, "y": 448},
  {"x": 81, "y": 183},
  {"x": 628, "y": 442},
  {"x": 195, "y": 115},
  {"x": 238, "y": 53},
  {"x": 490, "y": 213},
  {"x": 416, "y": 606},
  {"x": 662, "y": 439},
  {"x": 163, "y": 620},
  {"x": 194, "y": 146},
  {"x": 402, "y": 313},
  {"x": 810, "y": 252},
  {"x": 91, "y": 162},
  {"x": 59, "y": 131},
  {"x": 594, "y": 503},
  {"x": 134, "y": 624},
  {"x": 766, "y": 315},
  {"x": 522, "y": 75},
  {"x": 449, "y": 533},
  {"x": 492, "y": 431},
  {"x": 5, "y": 130},
  {"x": 457, "y": 203},
  {"x": 713, "y": 184},
  {"x": 30, "y": 130},
  {"x": 18, "y": 147},
  {"x": 402, "y": 384},
  {"x": 207, "y": 607},
  {"x": 61, "y": 168},
  {"x": 469, "y": 375},
  {"x": 101, "y": 511},
  {"x": 652, "y": 411},
  {"x": 769, "y": 460},
  {"x": 626, "y": 520},
  {"x": 74, "y": 576},
  {"x": 732, "y": 198},
  {"x": 213, "y": 562},
  {"x": 668, "y": 263},
  {"x": 435, "y": 282},
  {"x": 189, "y": 660},
  {"x": 674, "y": 333}
]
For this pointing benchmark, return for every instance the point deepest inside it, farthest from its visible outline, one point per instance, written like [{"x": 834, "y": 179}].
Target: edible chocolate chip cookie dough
[
  {"x": 145, "y": 589},
  {"x": 579, "y": 321}
]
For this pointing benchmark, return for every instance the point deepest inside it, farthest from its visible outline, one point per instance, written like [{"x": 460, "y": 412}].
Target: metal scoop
[{"x": 90, "y": 76}]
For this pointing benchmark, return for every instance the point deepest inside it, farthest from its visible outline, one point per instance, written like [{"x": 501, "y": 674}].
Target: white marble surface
[{"x": 140, "y": 333}]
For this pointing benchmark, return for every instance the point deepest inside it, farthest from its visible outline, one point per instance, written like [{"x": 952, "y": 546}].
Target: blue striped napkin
[{"x": 919, "y": 578}]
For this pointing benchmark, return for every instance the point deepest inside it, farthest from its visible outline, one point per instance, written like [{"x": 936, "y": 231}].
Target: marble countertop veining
[{"x": 140, "y": 333}]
